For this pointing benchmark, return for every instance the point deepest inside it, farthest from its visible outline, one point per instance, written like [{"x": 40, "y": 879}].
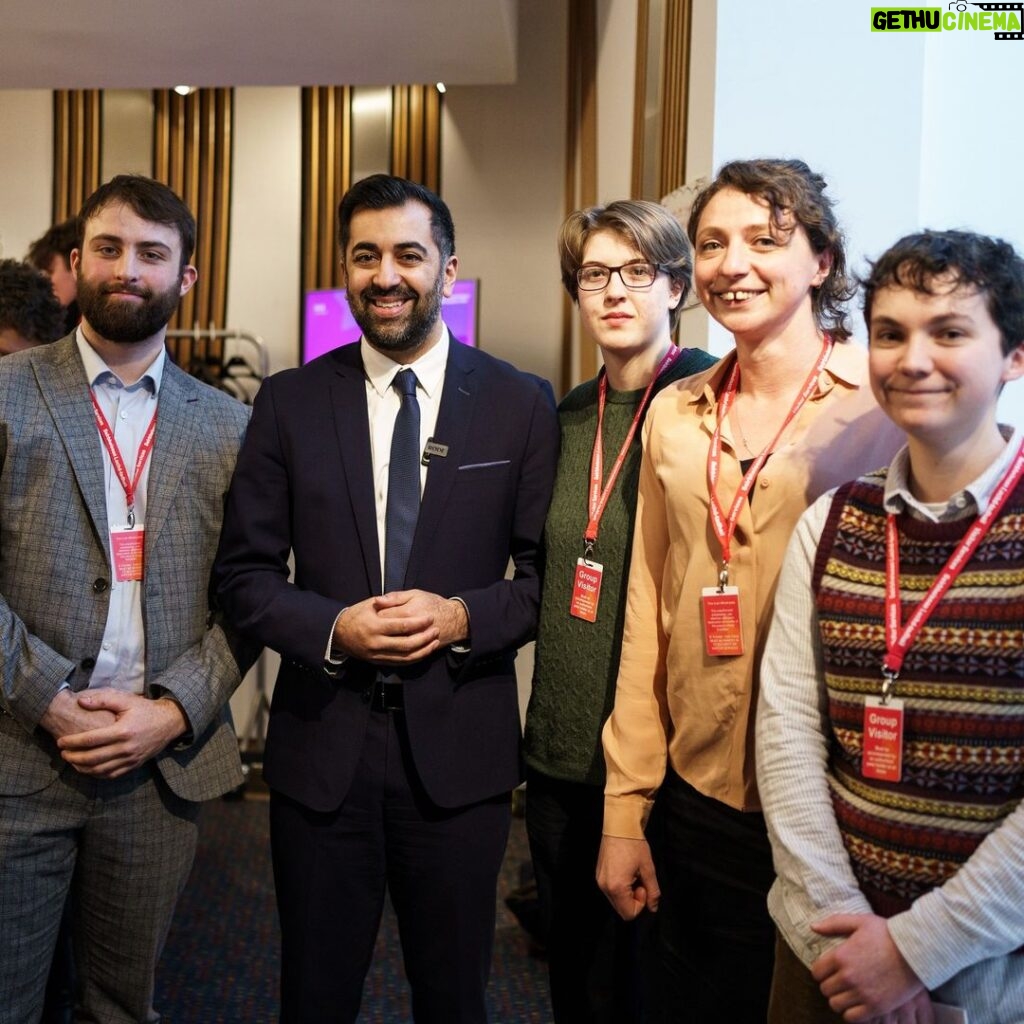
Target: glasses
[{"x": 592, "y": 277}]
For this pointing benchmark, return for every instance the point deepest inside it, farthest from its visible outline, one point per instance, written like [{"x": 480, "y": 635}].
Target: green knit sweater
[{"x": 577, "y": 661}]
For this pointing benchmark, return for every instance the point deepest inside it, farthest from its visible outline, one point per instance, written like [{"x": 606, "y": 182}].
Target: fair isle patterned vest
[{"x": 962, "y": 683}]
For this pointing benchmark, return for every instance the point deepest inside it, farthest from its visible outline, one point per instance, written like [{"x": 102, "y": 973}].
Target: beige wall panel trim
[
  {"x": 580, "y": 156},
  {"x": 222, "y": 201},
  {"x": 643, "y": 20}
]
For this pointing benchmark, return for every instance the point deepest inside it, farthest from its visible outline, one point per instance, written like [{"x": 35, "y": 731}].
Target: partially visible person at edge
[
  {"x": 29, "y": 311},
  {"x": 31, "y": 315},
  {"x": 51, "y": 254},
  {"x": 628, "y": 268},
  {"x": 114, "y": 723},
  {"x": 732, "y": 456},
  {"x": 901, "y": 862}
]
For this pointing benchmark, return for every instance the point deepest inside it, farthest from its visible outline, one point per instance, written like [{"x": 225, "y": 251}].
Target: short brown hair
[
  {"x": 151, "y": 200},
  {"x": 647, "y": 226},
  {"x": 58, "y": 240}
]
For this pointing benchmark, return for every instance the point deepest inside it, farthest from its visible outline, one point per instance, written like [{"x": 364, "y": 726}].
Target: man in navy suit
[{"x": 394, "y": 734}]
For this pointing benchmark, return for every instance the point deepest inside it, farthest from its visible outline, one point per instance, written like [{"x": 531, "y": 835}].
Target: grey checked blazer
[{"x": 55, "y": 567}]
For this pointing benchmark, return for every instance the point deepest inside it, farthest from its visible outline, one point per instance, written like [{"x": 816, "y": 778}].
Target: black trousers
[
  {"x": 439, "y": 866},
  {"x": 713, "y": 941},
  {"x": 593, "y": 961}
]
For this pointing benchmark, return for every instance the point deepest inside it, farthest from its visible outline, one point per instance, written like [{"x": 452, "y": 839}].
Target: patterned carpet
[{"x": 221, "y": 962}]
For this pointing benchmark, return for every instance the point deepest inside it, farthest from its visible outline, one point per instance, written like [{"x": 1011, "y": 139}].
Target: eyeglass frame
[{"x": 658, "y": 269}]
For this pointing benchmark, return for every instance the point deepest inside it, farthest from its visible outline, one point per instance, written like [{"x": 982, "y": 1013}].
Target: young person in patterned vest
[{"x": 890, "y": 734}]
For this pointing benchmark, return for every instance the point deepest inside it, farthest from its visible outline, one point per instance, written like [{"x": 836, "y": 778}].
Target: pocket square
[{"x": 485, "y": 465}]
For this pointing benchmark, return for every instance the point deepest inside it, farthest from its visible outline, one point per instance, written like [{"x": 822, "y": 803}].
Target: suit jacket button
[
  {"x": 100, "y": 585},
  {"x": 88, "y": 664}
]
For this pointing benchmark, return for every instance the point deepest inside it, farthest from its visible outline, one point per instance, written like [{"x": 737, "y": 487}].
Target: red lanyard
[
  {"x": 725, "y": 525},
  {"x": 598, "y": 495},
  {"x": 898, "y": 639},
  {"x": 117, "y": 461}
]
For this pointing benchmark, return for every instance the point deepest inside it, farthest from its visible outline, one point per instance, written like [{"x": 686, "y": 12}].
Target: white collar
[
  {"x": 96, "y": 369},
  {"x": 429, "y": 368},
  {"x": 972, "y": 498}
]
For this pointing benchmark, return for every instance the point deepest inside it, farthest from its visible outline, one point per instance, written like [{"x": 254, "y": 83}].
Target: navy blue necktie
[{"x": 403, "y": 506}]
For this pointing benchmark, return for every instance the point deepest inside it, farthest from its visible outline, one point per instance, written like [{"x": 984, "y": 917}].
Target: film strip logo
[{"x": 1018, "y": 7}]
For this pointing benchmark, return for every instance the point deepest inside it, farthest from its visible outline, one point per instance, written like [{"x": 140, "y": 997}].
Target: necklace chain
[{"x": 739, "y": 429}]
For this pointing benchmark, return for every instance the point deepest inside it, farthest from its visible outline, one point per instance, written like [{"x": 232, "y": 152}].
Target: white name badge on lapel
[{"x": 127, "y": 544}]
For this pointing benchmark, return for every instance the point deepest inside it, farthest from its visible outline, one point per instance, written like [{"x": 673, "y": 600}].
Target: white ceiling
[{"x": 122, "y": 44}]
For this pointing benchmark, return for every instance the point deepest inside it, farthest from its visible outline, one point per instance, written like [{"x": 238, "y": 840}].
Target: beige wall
[
  {"x": 501, "y": 174},
  {"x": 263, "y": 267},
  {"x": 26, "y": 163}
]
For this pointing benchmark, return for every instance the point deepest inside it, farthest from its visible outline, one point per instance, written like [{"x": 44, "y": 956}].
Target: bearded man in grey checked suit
[{"x": 114, "y": 673}]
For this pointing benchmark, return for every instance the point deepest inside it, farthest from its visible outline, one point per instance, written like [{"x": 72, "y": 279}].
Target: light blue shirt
[{"x": 121, "y": 659}]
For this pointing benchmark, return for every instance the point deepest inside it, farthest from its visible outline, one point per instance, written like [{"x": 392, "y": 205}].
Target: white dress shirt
[
  {"x": 121, "y": 660},
  {"x": 382, "y": 405}
]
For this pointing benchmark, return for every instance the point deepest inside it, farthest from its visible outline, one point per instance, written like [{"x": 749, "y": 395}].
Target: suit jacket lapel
[
  {"x": 454, "y": 418},
  {"x": 178, "y": 416},
  {"x": 65, "y": 392},
  {"x": 347, "y": 394}
]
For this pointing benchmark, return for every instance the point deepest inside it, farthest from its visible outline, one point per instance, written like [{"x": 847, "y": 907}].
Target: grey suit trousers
[{"x": 124, "y": 847}]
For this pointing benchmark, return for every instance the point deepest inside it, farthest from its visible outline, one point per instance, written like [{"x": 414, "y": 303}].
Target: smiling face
[
  {"x": 753, "y": 277},
  {"x": 395, "y": 279},
  {"x": 129, "y": 275},
  {"x": 937, "y": 365},
  {"x": 625, "y": 321}
]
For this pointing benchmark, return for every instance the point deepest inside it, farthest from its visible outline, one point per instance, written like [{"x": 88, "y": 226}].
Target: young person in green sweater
[
  {"x": 890, "y": 732},
  {"x": 628, "y": 267}
]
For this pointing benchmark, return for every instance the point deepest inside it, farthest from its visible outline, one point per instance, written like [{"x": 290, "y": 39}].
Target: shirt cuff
[
  {"x": 465, "y": 647},
  {"x": 332, "y": 661}
]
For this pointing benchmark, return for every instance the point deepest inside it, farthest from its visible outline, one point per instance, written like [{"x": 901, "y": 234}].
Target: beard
[
  {"x": 126, "y": 322},
  {"x": 401, "y": 334}
]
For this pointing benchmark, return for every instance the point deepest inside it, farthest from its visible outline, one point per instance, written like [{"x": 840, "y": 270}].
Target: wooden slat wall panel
[
  {"x": 77, "y": 136},
  {"x": 643, "y": 21},
  {"x": 580, "y": 157},
  {"x": 673, "y": 41},
  {"x": 192, "y": 149},
  {"x": 327, "y": 130},
  {"x": 416, "y": 134},
  {"x": 326, "y": 175},
  {"x": 675, "y": 91}
]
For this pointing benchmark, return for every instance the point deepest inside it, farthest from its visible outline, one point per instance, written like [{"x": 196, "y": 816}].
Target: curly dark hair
[
  {"x": 936, "y": 262},
  {"x": 27, "y": 303},
  {"x": 791, "y": 188}
]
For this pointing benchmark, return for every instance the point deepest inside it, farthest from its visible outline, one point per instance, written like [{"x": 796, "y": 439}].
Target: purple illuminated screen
[{"x": 328, "y": 322}]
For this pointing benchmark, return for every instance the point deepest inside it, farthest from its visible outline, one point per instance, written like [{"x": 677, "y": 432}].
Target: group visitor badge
[{"x": 882, "y": 753}]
